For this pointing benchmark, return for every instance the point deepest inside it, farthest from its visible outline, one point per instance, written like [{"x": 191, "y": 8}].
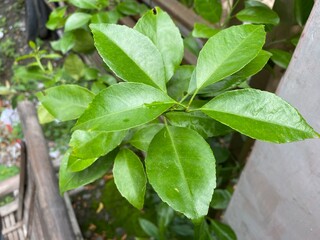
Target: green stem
[{"x": 192, "y": 98}]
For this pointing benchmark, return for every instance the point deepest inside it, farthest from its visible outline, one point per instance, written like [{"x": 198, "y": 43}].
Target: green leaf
[
  {"x": 89, "y": 4},
  {"x": 149, "y": 228},
  {"x": 181, "y": 169},
  {"x": 210, "y": 10},
  {"x": 220, "y": 199},
  {"x": 65, "y": 43},
  {"x": 129, "y": 54},
  {"x": 43, "y": 115},
  {"x": 260, "y": 115},
  {"x": 56, "y": 18},
  {"x": 123, "y": 106},
  {"x": 70, "y": 180},
  {"x": 260, "y": 15},
  {"x": 83, "y": 41},
  {"x": 159, "y": 27},
  {"x": 130, "y": 7},
  {"x": 201, "y": 30},
  {"x": 280, "y": 57},
  {"x": 227, "y": 52},
  {"x": 76, "y": 164},
  {"x": 73, "y": 65},
  {"x": 199, "y": 122},
  {"x": 222, "y": 231},
  {"x": 101, "y": 17},
  {"x": 94, "y": 144},
  {"x": 201, "y": 230},
  {"x": 130, "y": 178},
  {"x": 142, "y": 138},
  {"x": 302, "y": 9},
  {"x": 76, "y": 20},
  {"x": 66, "y": 102}
]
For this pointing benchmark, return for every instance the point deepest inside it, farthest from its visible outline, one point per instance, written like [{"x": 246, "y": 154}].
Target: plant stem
[{"x": 193, "y": 96}]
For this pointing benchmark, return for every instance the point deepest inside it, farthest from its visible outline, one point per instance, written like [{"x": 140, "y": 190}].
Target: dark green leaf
[
  {"x": 199, "y": 122},
  {"x": 261, "y": 15},
  {"x": 202, "y": 231},
  {"x": 158, "y": 26},
  {"x": 94, "y": 144},
  {"x": 227, "y": 52},
  {"x": 70, "y": 180},
  {"x": 260, "y": 115},
  {"x": 76, "y": 20},
  {"x": 222, "y": 231},
  {"x": 83, "y": 41},
  {"x": 142, "y": 138},
  {"x": 181, "y": 168},
  {"x": 66, "y": 102},
  {"x": 209, "y": 9},
  {"x": 149, "y": 228},
  {"x": 123, "y": 106},
  {"x": 130, "y": 178},
  {"x": 201, "y": 30},
  {"x": 280, "y": 57},
  {"x": 302, "y": 9},
  {"x": 220, "y": 199},
  {"x": 130, "y": 7},
  {"x": 130, "y": 54}
]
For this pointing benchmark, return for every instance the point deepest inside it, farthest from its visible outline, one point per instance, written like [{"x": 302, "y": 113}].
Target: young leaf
[
  {"x": 129, "y": 177},
  {"x": 66, "y": 102},
  {"x": 209, "y": 9},
  {"x": 70, "y": 180},
  {"x": 76, "y": 20},
  {"x": 181, "y": 168},
  {"x": 199, "y": 122},
  {"x": 280, "y": 57},
  {"x": 56, "y": 18},
  {"x": 261, "y": 15},
  {"x": 260, "y": 115},
  {"x": 201, "y": 30},
  {"x": 43, "y": 115},
  {"x": 129, "y": 54},
  {"x": 123, "y": 106},
  {"x": 142, "y": 138},
  {"x": 158, "y": 26},
  {"x": 94, "y": 144},
  {"x": 227, "y": 52}
]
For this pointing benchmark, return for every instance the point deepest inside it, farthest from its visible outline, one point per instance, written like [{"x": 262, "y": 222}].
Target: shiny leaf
[
  {"x": 66, "y": 102},
  {"x": 130, "y": 54},
  {"x": 261, "y": 15},
  {"x": 130, "y": 178},
  {"x": 123, "y": 106},
  {"x": 201, "y": 30},
  {"x": 209, "y": 9},
  {"x": 181, "y": 169},
  {"x": 227, "y": 52},
  {"x": 76, "y": 164},
  {"x": 76, "y": 20},
  {"x": 158, "y": 26},
  {"x": 260, "y": 115}
]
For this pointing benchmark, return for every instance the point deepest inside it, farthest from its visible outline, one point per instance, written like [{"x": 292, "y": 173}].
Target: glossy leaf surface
[
  {"x": 76, "y": 164},
  {"x": 261, "y": 15},
  {"x": 158, "y": 26},
  {"x": 142, "y": 138},
  {"x": 89, "y": 4},
  {"x": 209, "y": 9},
  {"x": 94, "y": 144},
  {"x": 76, "y": 20},
  {"x": 66, "y": 102},
  {"x": 123, "y": 106},
  {"x": 227, "y": 52},
  {"x": 130, "y": 54},
  {"x": 181, "y": 168},
  {"x": 260, "y": 115},
  {"x": 201, "y": 30},
  {"x": 129, "y": 177}
]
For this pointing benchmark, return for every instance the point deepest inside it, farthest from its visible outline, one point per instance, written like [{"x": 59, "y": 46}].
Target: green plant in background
[{"x": 152, "y": 127}]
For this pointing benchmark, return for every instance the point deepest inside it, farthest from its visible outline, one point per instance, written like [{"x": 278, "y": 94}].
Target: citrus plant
[{"x": 152, "y": 127}]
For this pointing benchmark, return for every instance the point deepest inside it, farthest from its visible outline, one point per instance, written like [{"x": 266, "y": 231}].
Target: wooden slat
[
  {"x": 9, "y": 185},
  {"x": 9, "y": 208},
  {"x": 51, "y": 203}
]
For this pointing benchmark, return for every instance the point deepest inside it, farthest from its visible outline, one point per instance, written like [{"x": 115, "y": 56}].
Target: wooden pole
[{"x": 56, "y": 223}]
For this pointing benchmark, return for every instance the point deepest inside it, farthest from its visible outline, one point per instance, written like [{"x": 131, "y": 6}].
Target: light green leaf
[
  {"x": 199, "y": 122},
  {"x": 302, "y": 9},
  {"x": 260, "y": 115},
  {"x": 142, "y": 138},
  {"x": 70, "y": 180},
  {"x": 261, "y": 15},
  {"x": 76, "y": 20},
  {"x": 158, "y": 26},
  {"x": 73, "y": 65},
  {"x": 130, "y": 7},
  {"x": 66, "y": 102},
  {"x": 201, "y": 30},
  {"x": 43, "y": 115},
  {"x": 76, "y": 164},
  {"x": 209, "y": 9},
  {"x": 123, "y": 106},
  {"x": 129, "y": 54},
  {"x": 129, "y": 177},
  {"x": 222, "y": 231},
  {"x": 227, "y": 52},
  {"x": 65, "y": 43},
  {"x": 94, "y": 144},
  {"x": 178, "y": 84},
  {"x": 280, "y": 57},
  {"x": 89, "y": 4},
  {"x": 56, "y": 18},
  {"x": 181, "y": 169}
]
